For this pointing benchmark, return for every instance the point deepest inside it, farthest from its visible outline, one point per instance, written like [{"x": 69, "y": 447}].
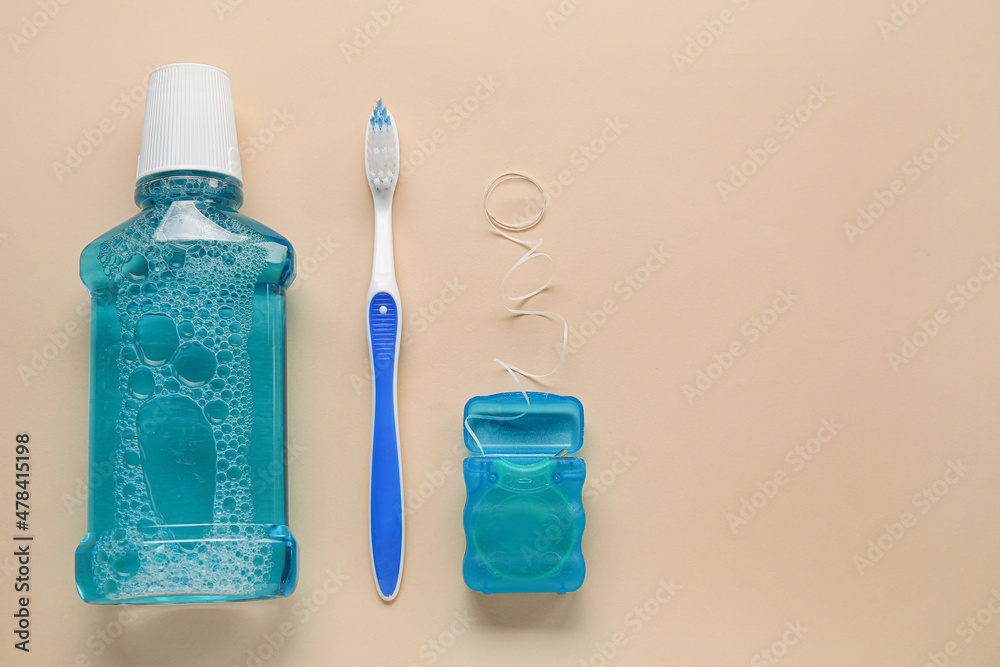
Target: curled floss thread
[{"x": 505, "y": 229}]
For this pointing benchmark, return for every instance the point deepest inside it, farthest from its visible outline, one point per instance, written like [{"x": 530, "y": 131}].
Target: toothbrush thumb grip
[{"x": 386, "y": 500}]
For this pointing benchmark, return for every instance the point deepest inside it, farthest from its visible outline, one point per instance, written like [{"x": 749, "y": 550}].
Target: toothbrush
[{"x": 385, "y": 499}]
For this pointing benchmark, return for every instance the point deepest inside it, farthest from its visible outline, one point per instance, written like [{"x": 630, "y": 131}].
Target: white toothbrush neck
[{"x": 383, "y": 267}]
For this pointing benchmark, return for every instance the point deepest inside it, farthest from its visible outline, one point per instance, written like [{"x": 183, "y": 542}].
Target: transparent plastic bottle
[{"x": 187, "y": 498}]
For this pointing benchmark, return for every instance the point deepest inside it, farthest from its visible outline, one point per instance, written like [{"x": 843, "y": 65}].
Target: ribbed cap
[{"x": 189, "y": 122}]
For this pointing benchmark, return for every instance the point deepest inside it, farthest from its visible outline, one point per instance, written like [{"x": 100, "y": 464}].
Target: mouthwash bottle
[{"x": 187, "y": 371}]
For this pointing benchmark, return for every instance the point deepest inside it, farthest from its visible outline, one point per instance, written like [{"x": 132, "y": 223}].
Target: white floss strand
[{"x": 502, "y": 228}]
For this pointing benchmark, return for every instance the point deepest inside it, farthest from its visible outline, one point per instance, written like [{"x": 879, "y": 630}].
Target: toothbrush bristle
[{"x": 381, "y": 150}]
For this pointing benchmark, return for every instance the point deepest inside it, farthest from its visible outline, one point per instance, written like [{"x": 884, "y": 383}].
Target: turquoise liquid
[{"x": 187, "y": 401}]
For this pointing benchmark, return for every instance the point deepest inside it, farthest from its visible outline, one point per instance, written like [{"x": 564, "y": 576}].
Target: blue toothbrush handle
[{"x": 386, "y": 492}]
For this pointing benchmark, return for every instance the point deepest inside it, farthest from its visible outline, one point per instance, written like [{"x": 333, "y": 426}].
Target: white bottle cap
[{"x": 189, "y": 122}]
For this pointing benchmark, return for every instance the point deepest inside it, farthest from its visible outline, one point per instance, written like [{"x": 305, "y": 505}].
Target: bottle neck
[{"x": 216, "y": 189}]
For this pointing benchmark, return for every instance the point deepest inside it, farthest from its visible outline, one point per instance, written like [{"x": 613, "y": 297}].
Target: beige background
[{"x": 659, "y": 515}]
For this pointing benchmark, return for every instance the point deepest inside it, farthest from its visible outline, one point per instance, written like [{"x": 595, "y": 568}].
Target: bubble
[
  {"x": 141, "y": 383},
  {"x": 130, "y": 458},
  {"x": 186, "y": 329},
  {"x": 127, "y": 565},
  {"x": 194, "y": 364},
  {"x": 147, "y": 527},
  {"x": 226, "y": 312},
  {"x": 156, "y": 338},
  {"x": 136, "y": 267},
  {"x": 216, "y": 411}
]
